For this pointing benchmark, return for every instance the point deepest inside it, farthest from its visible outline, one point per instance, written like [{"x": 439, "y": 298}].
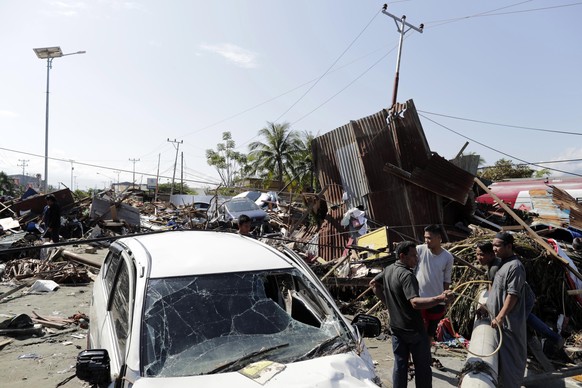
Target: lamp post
[
  {"x": 49, "y": 53},
  {"x": 111, "y": 180}
]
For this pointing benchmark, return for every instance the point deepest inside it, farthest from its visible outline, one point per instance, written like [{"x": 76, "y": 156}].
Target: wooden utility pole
[
  {"x": 133, "y": 179},
  {"x": 176, "y": 145}
]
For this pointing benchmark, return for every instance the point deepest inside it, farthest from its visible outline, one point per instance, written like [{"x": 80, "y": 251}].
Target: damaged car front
[{"x": 276, "y": 326}]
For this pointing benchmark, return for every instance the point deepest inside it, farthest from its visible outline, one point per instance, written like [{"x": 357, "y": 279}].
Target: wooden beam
[{"x": 529, "y": 230}]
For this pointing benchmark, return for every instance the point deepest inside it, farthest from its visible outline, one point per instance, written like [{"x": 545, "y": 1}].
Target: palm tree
[
  {"x": 303, "y": 162},
  {"x": 275, "y": 156}
]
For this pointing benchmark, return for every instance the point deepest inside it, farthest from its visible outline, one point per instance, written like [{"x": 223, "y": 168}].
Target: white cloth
[{"x": 432, "y": 271}]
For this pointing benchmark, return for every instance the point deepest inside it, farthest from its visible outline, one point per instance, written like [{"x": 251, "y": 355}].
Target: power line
[
  {"x": 502, "y": 125},
  {"x": 328, "y": 69},
  {"x": 101, "y": 166},
  {"x": 496, "y": 150},
  {"x": 494, "y": 13}
]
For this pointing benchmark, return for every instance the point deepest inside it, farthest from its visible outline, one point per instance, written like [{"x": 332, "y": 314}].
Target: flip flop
[
  {"x": 437, "y": 364},
  {"x": 410, "y": 371}
]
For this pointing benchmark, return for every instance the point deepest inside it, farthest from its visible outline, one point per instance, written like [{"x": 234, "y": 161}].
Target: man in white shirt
[{"x": 433, "y": 272}]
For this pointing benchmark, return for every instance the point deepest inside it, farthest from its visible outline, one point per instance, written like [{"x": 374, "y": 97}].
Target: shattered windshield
[{"x": 221, "y": 322}]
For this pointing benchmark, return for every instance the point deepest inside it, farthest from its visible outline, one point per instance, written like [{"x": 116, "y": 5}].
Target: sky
[{"x": 159, "y": 71}]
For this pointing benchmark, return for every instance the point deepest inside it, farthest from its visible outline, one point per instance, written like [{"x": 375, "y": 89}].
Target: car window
[
  {"x": 120, "y": 306},
  {"x": 192, "y": 325},
  {"x": 241, "y": 206},
  {"x": 113, "y": 260}
]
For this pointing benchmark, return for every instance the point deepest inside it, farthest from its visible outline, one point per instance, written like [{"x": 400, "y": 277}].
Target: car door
[{"x": 113, "y": 308}]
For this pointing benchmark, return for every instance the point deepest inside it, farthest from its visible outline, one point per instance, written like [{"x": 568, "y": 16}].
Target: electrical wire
[
  {"x": 461, "y": 294},
  {"x": 496, "y": 150},
  {"x": 329, "y": 68},
  {"x": 100, "y": 166},
  {"x": 501, "y": 125}
]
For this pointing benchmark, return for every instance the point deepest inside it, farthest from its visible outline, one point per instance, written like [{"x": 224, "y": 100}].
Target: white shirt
[{"x": 432, "y": 271}]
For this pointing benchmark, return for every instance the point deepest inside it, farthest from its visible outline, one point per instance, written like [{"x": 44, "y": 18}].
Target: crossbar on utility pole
[
  {"x": 176, "y": 145},
  {"x": 133, "y": 179},
  {"x": 23, "y": 165},
  {"x": 402, "y": 30}
]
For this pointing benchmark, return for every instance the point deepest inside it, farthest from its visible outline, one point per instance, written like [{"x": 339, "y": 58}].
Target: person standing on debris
[
  {"x": 434, "y": 272},
  {"x": 398, "y": 288},
  {"x": 52, "y": 218},
  {"x": 507, "y": 304},
  {"x": 244, "y": 225},
  {"x": 486, "y": 257}
]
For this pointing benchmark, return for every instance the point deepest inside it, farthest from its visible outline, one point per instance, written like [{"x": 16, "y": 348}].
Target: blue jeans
[
  {"x": 417, "y": 344},
  {"x": 538, "y": 325}
]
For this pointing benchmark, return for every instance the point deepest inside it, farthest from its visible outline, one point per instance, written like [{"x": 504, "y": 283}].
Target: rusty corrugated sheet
[
  {"x": 556, "y": 207},
  {"x": 546, "y": 211},
  {"x": 352, "y": 159},
  {"x": 438, "y": 176},
  {"x": 566, "y": 201}
]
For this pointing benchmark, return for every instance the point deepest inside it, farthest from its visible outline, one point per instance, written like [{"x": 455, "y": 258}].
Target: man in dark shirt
[
  {"x": 52, "y": 218},
  {"x": 397, "y": 287}
]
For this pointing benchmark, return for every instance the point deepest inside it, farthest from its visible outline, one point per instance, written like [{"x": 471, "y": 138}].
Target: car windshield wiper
[
  {"x": 236, "y": 363},
  {"x": 322, "y": 348}
]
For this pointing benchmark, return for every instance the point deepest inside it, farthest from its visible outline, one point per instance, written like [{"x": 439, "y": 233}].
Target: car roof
[{"x": 190, "y": 252}]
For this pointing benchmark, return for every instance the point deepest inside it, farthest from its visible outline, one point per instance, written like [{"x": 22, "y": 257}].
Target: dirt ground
[{"x": 44, "y": 361}]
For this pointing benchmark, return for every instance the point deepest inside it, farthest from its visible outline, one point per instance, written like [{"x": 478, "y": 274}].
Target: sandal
[
  {"x": 410, "y": 371},
  {"x": 437, "y": 364}
]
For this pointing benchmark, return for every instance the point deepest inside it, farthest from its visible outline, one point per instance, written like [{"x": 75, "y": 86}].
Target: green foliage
[
  {"x": 166, "y": 188},
  {"x": 6, "y": 185},
  {"x": 274, "y": 158},
  {"x": 228, "y": 163},
  {"x": 302, "y": 167},
  {"x": 544, "y": 172},
  {"x": 505, "y": 169}
]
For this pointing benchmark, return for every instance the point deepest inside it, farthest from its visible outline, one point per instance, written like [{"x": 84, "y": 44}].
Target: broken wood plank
[
  {"x": 52, "y": 325},
  {"x": 529, "y": 230},
  {"x": 5, "y": 342}
]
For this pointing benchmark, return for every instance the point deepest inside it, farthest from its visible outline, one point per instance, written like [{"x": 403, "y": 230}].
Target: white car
[{"x": 216, "y": 309}]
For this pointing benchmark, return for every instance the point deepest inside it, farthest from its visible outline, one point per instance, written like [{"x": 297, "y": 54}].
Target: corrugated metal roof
[{"x": 351, "y": 158}]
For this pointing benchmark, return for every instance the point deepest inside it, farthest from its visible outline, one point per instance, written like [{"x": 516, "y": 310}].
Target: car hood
[{"x": 340, "y": 370}]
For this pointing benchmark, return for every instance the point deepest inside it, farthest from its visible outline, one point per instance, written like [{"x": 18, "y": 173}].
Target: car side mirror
[
  {"x": 93, "y": 366},
  {"x": 368, "y": 325}
]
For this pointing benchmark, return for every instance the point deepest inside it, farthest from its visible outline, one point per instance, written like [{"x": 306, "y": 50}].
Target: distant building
[{"x": 26, "y": 181}]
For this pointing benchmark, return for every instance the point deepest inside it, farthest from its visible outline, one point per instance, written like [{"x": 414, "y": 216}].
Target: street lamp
[
  {"x": 49, "y": 53},
  {"x": 107, "y": 176}
]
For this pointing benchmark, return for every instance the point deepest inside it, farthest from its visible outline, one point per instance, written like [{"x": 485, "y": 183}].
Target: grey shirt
[{"x": 510, "y": 280}]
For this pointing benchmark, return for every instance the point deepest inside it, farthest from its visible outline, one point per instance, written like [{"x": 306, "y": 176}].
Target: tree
[
  {"x": 274, "y": 157},
  {"x": 226, "y": 160},
  {"x": 6, "y": 185},
  {"x": 542, "y": 173},
  {"x": 505, "y": 169},
  {"x": 302, "y": 167},
  {"x": 166, "y": 188}
]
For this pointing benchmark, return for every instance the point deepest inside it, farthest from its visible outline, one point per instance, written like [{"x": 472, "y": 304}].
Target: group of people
[{"x": 415, "y": 290}]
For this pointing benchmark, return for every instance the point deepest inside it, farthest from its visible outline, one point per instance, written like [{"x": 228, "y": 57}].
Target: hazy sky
[{"x": 190, "y": 70}]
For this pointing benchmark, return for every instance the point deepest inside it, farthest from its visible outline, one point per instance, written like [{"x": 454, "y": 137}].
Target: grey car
[{"x": 230, "y": 211}]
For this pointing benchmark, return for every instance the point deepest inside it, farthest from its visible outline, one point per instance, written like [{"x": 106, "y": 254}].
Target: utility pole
[
  {"x": 72, "y": 170},
  {"x": 401, "y": 29},
  {"x": 182, "y": 172},
  {"x": 117, "y": 186},
  {"x": 23, "y": 165},
  {"x": 157, "y": 179},
  {"x": 176, "y": 145},
  {"x": 133, "y": 179}
]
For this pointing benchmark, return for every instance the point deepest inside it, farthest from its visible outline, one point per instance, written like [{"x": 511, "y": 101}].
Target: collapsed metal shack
[{"x": 384, "y": 162}]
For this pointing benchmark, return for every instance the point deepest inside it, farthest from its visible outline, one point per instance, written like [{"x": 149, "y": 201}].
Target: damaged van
[{"x": 216, "y": 309}]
